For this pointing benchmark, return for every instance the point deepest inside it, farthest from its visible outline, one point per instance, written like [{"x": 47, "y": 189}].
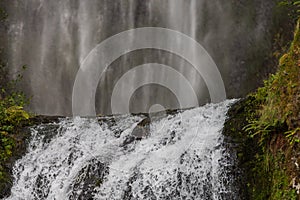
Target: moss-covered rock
[{"x": 265, "y": 127}]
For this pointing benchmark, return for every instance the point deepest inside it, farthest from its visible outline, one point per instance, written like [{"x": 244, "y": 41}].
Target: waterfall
[
  {"x": 182, "y": 157},
  {"x": 53, "y": 38}
]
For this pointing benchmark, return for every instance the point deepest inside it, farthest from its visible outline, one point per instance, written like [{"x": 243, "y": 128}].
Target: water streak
[{"x": 53, "y": 37}]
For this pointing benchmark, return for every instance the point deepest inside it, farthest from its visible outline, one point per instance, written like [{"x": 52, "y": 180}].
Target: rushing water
[{"x": 182, "y": 157}]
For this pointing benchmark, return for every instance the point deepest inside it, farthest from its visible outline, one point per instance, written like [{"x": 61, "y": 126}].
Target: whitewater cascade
[{"x": 183, "y": 157}]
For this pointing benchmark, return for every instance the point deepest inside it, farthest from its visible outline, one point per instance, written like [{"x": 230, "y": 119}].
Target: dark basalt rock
[
  {"x": 142, "y": 130},
  {"x": 240, "y": 145},
  {"x": 41, "y": 119},
  {"x": 90, "y": 177}
]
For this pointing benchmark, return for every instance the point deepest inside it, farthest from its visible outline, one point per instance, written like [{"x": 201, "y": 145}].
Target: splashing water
[{"x": 182, "y": 158}]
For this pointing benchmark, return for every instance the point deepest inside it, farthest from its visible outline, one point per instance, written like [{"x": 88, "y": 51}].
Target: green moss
[
  {"x": 279, "y": 99},
  {"x": 277, "y": 127},
  {"x": 267, "y": 166},
  {"x": 266, "y": 128},
  {"x": 270, "y": 178}
]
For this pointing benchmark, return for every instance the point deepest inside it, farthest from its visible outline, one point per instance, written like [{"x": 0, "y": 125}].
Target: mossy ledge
[{"x": 265, "y": 128}]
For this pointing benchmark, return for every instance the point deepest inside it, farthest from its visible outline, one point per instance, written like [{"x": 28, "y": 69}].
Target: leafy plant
[
  {"x": 293, "y": 6},
  {"x": 12, "y": 116},
  {"x": 279, "y": 99}
]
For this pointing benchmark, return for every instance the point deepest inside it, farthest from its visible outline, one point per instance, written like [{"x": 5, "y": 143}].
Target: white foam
[{"x": 181, "y": 156}]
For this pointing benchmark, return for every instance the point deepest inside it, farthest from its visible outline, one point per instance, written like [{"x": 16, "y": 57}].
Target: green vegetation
[
  {"x": 12, "y": 118},
  {"x": 279, "y": 99},
  {"x": 275, "y": 124},
  {"x": 278, "y": 124},
  {"x": 293, "y": 7},
  {"x": 267, "y": 126},
  {"x": 284, "y": 20}
]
